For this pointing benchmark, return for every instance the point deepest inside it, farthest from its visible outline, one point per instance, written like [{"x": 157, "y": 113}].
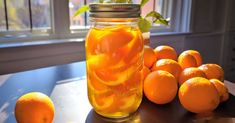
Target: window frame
[{"x": 60, "y": 23}]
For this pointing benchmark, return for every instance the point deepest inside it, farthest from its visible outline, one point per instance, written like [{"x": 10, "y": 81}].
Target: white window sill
[{"x": 40, "y": 42}]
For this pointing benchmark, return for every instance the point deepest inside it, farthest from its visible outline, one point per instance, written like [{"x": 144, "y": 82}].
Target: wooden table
[{"x": 66, "y": 85}]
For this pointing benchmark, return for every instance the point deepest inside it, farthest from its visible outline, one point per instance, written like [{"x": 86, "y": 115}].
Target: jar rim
[{"x": 114, "y": 10}]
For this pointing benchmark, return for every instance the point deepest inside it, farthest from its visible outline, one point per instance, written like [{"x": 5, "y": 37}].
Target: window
[
  {"x": 81, "y": 21},
  {"x": 27, "y": 16},
  {"x": 55, "y": 18},
  {"x": 2, "y": 17}
]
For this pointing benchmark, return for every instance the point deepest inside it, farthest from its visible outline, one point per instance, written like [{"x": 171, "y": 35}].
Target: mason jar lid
[{"x": 114, "y": 10}]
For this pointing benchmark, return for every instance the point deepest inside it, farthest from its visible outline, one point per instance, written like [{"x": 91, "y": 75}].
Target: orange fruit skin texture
[
  {"x": 34, "y": 107},
  {"x": 149, "y": 56},
  {"x": 168, "y": 65},
  {"x": 222, "y": 89},
  {"x": 160, "y": 87},
  {"x": 196, "y": 55},
  {"x": 213, "y": 71},
  {"x": 198, "y": 95},
  {"x": 145, "y": 71},
  {"x": 165, "y": 52},
  {"x": 189, "y": 73},
  {"x": 186, "y": 60}
]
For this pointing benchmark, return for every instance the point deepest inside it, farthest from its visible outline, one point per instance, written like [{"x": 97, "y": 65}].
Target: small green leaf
[
  {"x": 101, "y": 1},
  {"x": 144, "y": 25},
  {"x": 129, "y": 1},
  {"x": 143, "y": 2},
  {"x": 154, "y": 14},
  {"x": 121, "y": 1},
  {"x": 157, "y": 18},
  {"x": 161, "y": 21},
  {"x": 81, "y": 10}
]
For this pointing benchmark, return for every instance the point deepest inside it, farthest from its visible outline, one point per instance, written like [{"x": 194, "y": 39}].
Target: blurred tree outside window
[{"x": 21, "y": 14}]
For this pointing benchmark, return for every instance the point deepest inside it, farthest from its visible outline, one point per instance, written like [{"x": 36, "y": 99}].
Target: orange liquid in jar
[{"x": 114, "y": 59}]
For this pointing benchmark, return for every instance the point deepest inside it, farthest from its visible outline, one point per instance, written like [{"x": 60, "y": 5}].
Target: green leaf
[
  {"x": 129, "y": 1},
  {"x": 157, "y": 18},
  {"x": 81, "y": 10},
  {"x": 101, "y": 1},
  {"x": 161, "y": 21},
  {"x": 121, "y": 1},
  {"x": 143, "y": 2},
  {"x": 154, "y": 14},
  {"x": 144, "y": 25}
]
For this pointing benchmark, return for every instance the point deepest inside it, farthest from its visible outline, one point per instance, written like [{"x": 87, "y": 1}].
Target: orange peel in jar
[
  {"x": 110, "y": 78},
  {"x": 112, "y": 39},
  {"x": 127, "y": 103},
  {"x": 91, "y": 43},
  {"x": 133, "y": 83},
  {"x": 103, "y": 101},
  {"x": 135, "y": 47},
  {"x": 95, "y": 86}
]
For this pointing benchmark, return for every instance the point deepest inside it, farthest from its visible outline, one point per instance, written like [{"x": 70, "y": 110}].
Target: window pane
[
  {"x": 18, "y": 14},
  {"x": 2, "y": 17},
  {"x": 78, "y": 21},
  {"x": 158, "y": 6},
  {"x": 164, "y": 7},
  {"x": 148, "y": 7},
  {"x": 87, "y": 13},
  {"x": 41, "y": 15}
]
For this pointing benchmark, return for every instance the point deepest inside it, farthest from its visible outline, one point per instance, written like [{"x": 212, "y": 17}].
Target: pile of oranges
[{"x": 199, "y": 86}]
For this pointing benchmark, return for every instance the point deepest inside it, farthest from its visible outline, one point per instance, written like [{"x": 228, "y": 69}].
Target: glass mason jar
[{"x": 114, "y": 59}]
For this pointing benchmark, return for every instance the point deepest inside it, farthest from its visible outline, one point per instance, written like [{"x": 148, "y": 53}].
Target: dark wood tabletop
[{"x": 66, "y": 85}]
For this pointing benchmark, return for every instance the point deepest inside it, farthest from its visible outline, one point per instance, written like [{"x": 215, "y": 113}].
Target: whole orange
[
  {"x": 165, "y": 52},
  {"x": 186, "y": 60},
  {"x": 160, "y": 87},
  {"x": 149, "y": 56},
  {"x": 198, "y": 95},
  {"x": 213, "y": 71},
  {"x": 189, "y": 73},
  {"x": 222, "y": 89},
  {"x": 34, "y": 107},
  {"x": 196, "y": 55},
  {"x": 168, "y": 65}
]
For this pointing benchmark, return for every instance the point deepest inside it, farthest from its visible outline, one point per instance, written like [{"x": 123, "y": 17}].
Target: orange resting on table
[
  {"x": 198, "y": 95},
  {"x": 34, "y": 107},
  {"x": 213, "y": 71},
  {"x": 168, "y": 65},
  {"x": 160, "y": 87},
  {"x": 186, "y": 60},
  {"x": 196, "y": 55},
  {"x": 165, "y": 52},
  {"x": 189, "y": 73},
  {"x": 149, "y": 56},
  {"x": 222, "y": 89}
]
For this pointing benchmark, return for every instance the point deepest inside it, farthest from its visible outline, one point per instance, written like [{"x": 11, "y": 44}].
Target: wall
[{"x": 32, "y": 57}]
